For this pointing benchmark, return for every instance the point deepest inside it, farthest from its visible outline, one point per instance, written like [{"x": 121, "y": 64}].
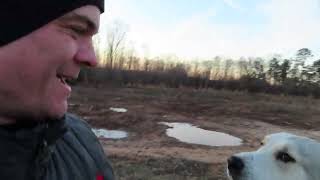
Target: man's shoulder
[
  {"x": 74, "y": 121},
  {"x": 81, "y": 130},
  {"x": 80, "y": 141}
]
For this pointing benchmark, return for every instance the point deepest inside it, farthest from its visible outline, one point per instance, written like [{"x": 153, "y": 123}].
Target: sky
[{"x": 209, "y": 28}]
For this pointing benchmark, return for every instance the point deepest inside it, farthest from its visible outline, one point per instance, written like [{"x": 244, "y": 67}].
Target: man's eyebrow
[{"x": 81, "y": 18}]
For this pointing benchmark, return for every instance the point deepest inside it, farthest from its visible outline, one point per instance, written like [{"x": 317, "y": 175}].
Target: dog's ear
[
  {"x": 265, "y": 139},
  {"x": 276, "y": 136}
]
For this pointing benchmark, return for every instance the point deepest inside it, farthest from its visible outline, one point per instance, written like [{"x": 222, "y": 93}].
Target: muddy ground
[{"x": 148, "y": 153}]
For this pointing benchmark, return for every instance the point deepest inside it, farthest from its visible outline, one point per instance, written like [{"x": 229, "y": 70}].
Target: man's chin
[
  {"x": 53, "y": 115},
  {"x": 57, "y": 110},
  {"x": 31, "y": 118},
  {"x": 35, "y": 114}
]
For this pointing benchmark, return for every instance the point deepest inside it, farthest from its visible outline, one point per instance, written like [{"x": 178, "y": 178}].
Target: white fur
[{"x": 263, "y": 165}]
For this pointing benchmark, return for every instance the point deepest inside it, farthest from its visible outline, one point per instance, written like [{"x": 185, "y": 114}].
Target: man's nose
[
  {"x": 86, "y": 55},
  {"x": 235, "y": 165}
]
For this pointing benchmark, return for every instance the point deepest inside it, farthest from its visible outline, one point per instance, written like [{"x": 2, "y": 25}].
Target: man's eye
[
  {"x": 78, "y": 30},
  {"x": 285, "y": 157}
]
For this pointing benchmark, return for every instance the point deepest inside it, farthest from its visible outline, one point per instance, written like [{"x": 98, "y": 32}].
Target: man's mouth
[{"x": 65, "y": 79}]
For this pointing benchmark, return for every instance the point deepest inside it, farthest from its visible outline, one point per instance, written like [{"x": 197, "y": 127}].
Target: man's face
[{"x": 34, "y": 68}]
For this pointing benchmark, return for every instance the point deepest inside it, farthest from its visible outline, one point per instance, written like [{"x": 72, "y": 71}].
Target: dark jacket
[{"x": 65, "y": 149}]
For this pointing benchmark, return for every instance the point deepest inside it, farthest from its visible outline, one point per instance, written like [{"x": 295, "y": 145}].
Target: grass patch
[{"x": 161, "y": 169}]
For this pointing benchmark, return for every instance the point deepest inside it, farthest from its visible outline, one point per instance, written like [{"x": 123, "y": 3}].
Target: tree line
[{"x": 119, "y": 65}]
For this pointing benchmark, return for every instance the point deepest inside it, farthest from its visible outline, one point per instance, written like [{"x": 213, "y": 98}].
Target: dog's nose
[{"x": 235, "y": 165}]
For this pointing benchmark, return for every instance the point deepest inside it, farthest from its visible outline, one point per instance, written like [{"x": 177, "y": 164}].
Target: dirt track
[{"x": 149, "y": 154}]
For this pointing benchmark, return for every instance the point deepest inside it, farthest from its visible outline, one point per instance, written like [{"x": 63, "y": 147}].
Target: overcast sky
[{"x": 206, "y": 28}]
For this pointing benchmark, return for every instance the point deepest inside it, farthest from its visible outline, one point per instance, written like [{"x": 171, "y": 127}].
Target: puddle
[
  {"x": 119, "y": 110},
  {"x": 188, "y": 133},
  {"x": 110, "y": 134}
]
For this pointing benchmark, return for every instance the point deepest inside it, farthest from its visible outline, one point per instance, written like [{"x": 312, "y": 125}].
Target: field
[{"x": 149, "y": 154}]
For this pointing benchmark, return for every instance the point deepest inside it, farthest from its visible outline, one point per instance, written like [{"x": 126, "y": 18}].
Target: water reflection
[
  {"x": 119, "y": 110},
  {"x": 188, "y": 133},
  {"x": 110, "y": 134}
]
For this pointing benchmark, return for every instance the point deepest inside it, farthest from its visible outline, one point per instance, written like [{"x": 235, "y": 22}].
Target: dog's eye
[{"x": 285, "y": 157}]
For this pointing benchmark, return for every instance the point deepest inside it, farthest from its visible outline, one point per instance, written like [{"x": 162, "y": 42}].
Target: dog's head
[{"x": 283, "y": 156}]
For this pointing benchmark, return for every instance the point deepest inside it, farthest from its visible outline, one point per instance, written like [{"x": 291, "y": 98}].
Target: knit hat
[{"x": 20, "y": 17}]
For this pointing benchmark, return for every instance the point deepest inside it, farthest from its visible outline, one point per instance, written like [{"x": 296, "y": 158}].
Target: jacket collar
[{"x": 50, "y": 131}]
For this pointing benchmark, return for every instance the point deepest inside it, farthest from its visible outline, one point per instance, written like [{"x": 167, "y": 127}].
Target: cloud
[
  {"x": 292, "y": 24},
  {"x": 233, "y": 4},
  {"x": 288, "y": 25}
]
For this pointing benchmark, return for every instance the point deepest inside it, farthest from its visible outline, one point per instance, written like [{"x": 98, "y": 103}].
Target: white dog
[{"x": 283, "y": 156}]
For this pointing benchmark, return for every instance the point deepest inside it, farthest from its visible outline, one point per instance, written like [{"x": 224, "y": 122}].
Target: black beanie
[{"x": 20, "y": 17}]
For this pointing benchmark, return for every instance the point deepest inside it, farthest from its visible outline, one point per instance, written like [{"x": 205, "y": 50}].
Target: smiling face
[
  {"x": 35, "y": 68},
  {"x": 282, "y": 157}
]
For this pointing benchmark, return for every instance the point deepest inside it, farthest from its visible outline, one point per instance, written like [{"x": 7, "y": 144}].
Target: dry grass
[{"x": 148, "y": 106}]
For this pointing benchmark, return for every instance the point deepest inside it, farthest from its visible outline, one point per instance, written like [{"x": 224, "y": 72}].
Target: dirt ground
[{"x": 148, "y": 153}]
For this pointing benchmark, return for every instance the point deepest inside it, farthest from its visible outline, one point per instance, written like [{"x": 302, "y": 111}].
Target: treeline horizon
[{"x": 289, "y": 76}]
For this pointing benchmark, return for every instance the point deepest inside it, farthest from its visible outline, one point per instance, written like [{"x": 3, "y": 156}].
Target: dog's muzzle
[{"x": 235, "y": 166}]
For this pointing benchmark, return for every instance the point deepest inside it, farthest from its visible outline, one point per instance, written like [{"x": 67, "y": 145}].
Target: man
[{"x": 43, "y": 44}]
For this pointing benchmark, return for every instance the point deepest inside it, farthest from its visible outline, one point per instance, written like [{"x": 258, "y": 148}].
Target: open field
[{"x": 149, "y": 154}]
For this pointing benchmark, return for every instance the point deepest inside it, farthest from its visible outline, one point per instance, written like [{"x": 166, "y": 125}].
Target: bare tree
[
  {"x": 159, "y": 65},
  {"x": 147, "y": 64},
  {"x": 216, "y": 67},
  {"x": 207, "y": 67},
  {"x": 135, "y": 63},
  {"x": 115, "y": 42},
  {"x": 196, "y": 69},
  {"x": 121, "y": 62},
  {"x": 244, "y": 67},
  {"x": 227, "y": 68},
  {"x": 130, "y": 57},
  {"x": 98, "y": 49}
]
